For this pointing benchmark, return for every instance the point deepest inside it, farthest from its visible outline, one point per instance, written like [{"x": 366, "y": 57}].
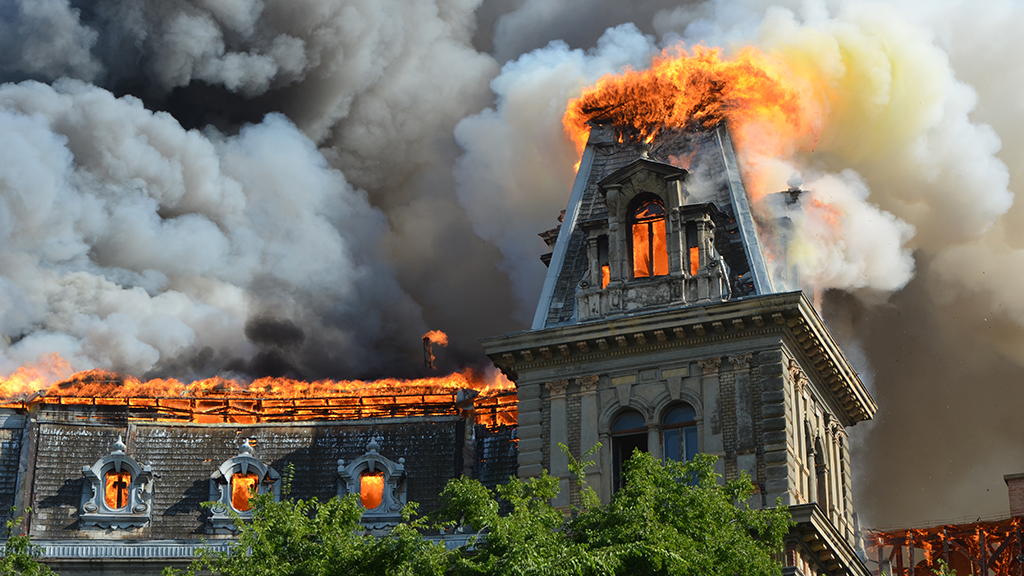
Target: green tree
[
  {"x": 671, "y": 519},
  {"x": 20, "y": 555}
]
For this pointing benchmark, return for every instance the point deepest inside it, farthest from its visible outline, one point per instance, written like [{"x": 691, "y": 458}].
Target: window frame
[{"x": 656, "y": 258}]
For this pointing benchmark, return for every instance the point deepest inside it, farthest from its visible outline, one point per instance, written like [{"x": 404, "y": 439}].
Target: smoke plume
[{"x": 304, "y": 187}]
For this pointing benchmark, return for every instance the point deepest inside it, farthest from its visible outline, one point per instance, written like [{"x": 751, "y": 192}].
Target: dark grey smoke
[{"x": 155, "y": 219}]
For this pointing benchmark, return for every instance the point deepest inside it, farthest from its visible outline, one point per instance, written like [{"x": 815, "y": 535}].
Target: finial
[
  {"x": 244, "y": 447},
  {"x": 794, "y": 182},
  {"x": 372, "y": 446},
  {"x": 119, "y": 447}
]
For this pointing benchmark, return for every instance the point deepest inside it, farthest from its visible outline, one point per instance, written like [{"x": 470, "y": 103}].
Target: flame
[
  {"x": 436, "y": 337},
  {"x": 221, "y": 399},
  {"x": 371, "y": 489},
  {"x": 429, "y": 339},
  {"x": 46, "y": 371},
  {"x": 243, "y": 487},
  {"x": 116, "y": 489},
  {"x": 771, "y": 110}
]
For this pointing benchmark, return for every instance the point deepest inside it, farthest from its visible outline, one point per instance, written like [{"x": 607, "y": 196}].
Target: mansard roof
[{"x": 707, "y": 163}]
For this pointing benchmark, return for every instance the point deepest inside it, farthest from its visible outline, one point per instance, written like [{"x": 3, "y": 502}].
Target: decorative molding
[
  {"x": 710, "y": 366},
  {"x": 557, "y": 388},
  {"x": 393, "y": 496},
  {"x": 741, "y": 361},
  {"x": 588, "y": 384},
  {"x": 221, "y": 489},
  {"x": 137, "y": 508}
]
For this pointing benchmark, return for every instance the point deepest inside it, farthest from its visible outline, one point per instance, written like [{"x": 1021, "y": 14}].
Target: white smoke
[
  {"x": 517, "y": 166},
  {"x": 132, "y": 241},
  {"x": 920, "y": 101},
  {"x": 128, "y": 240}
]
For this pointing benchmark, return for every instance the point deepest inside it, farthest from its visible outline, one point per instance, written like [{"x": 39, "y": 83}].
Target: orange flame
[
  {"x": 243, "y": 487},
  {"x": 371, "y": 489},
  {"x": 429, "y": 339},
  {"x": 270, "y": 398},
  {"x": 436, "y": 337},
  {"x": 116, "y": 489},
  {"x": 770, "y": 110}
]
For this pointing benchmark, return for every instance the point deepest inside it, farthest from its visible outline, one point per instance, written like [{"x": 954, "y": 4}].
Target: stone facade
[{"x": 617, "y": 340}]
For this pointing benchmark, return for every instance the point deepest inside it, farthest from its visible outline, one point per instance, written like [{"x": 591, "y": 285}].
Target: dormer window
[
  {"x": 118, "y": 491},
  {"x": 650, "y": 253},
  {"x": 235, "y": 483},
  {"x": 380, "y": 483}
]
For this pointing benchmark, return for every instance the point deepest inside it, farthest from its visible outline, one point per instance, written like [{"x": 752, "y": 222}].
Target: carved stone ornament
[
  {"x": 388, "y": 512},
  {"x": 222, "y": 488},
  {"x": 741, "y": 361},
  {"x": 557, "y": 388},
  {"x": 118, "y": 492},
  {"x": 796, "y": 374},
  {"x": 710, "y": 365},
  {"x": 588, "y": 383}
]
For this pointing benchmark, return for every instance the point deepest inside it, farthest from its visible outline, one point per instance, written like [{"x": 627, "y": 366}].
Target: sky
[{"x": 305, "y": 187}]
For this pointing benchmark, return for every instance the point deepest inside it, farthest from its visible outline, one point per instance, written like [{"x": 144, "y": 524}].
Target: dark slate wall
[
  {"x": 497, "y": 454},
  {"x": 10, "y": 454},
  {"x": 183, "y": 457}
]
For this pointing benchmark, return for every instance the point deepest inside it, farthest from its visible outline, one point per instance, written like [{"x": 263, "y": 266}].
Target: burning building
[
  {"x": 992, "y": 546},
  {"x": 662, "y": 328},
  {"x": 115, "y": 471},
  {"x": 667, "y": 323}
]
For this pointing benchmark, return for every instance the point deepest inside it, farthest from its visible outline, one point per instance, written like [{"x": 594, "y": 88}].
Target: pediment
[{"x": 641, "y": 165}]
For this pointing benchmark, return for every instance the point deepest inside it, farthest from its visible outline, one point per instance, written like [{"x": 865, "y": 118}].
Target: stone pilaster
[
  {"x": 531, "y": 448},
  {"x": 589, "y": 434},
  {"x": 559, "y": 435},
  {"x": 713, "y": 442},
  {"x": 778, "y": 472}
]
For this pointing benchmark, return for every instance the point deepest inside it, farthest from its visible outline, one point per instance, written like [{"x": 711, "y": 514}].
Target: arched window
[
  {"x": 679, "y": 433},
  {"x": 650, "y": 253},
  {"x": 629, "y": 433},
  {"x": 380, "y": 484},
  {"x": 235, "y": 483},
  {"x": 118, "y": 491}
]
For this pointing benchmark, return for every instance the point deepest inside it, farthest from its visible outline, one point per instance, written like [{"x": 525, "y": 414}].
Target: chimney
[{"x": 1015, "y": 485}]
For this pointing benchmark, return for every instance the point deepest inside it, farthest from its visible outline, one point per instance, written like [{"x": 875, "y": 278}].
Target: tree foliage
[
  {"x": 670, "y": 519},
  {"x": 20, "y": 556}
]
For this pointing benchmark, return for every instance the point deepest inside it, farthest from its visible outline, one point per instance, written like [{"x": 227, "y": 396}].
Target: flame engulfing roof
[{"x": 489, "y": 397}]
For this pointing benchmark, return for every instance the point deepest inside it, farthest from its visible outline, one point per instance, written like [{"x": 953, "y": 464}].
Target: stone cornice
[
  {"x": 789, "y": 315},
  {"x": 815, "y": 531}
]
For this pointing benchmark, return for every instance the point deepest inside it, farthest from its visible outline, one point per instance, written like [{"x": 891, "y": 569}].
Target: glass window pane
[
  {"x": 672, "y": 445},
  {"x": 690, "y": 433},
  {"x": 628, "y": 421},
  {"x": 680, "y": 415}
]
